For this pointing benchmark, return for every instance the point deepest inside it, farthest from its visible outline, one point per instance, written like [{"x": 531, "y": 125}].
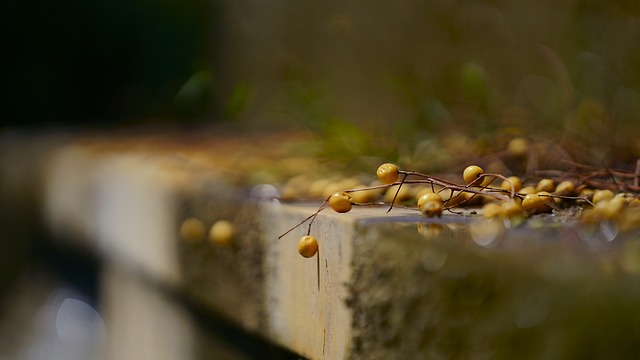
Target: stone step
[{"x": 382, "y": 286}]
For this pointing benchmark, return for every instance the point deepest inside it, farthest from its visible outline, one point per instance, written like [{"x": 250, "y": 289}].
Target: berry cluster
[{"x": 585, "y": 193}]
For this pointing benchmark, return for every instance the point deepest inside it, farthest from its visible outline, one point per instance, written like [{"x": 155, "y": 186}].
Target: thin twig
[
  {"x": 592, "y": 176},
  {"x": 404, "y": 177},
  {"x": 312, "y": 217}
]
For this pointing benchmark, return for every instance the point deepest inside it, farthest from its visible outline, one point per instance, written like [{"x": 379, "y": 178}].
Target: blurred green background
[
  {"x": 402, "y": 72},
  {"x": 369, "y": 77}
]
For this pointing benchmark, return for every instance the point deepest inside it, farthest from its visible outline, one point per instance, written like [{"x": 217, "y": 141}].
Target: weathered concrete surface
[
  {"x": 306, "y": 298},
  {"x": 383, "y": 286},
  {"x": 129, "y": 208},
  {"x": 451, "y": 293}
]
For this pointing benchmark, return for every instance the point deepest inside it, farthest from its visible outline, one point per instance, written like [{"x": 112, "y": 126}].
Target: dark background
[{"x": 115, "y": 62}]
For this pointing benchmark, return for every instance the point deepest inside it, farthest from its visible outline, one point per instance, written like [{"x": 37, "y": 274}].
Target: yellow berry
[
  {"x": 627, "y": 197},
  {"x": 472, "y": 173},
  {"x": 491, "y": 210},
  {"x": 404, "y": 194},
  {"x": 535, "y": 204},
  {"x": 431, "y": 230},
  {"x": 340, "y": 202},
  {"x": 222, "y": 232},
  {"x": 192, "y": 229},
  {"x": 308, "y": 246},
  {"x": 316, "y": 188},
  {"x": 363, "y": 196},
  {"x": 602, "y": 195},
  {"x": 527, "y": 190},
  {"x": 332, "y": 188},
  {"x": 565, "y": 188},
  {"x": 429, "y": 190},
  {"x": 388, "y": 173},
  {"x": 349, "y": 183},
  {"x": 518, "y": 146},
  {"x": 545, "y": 195},
  {"x": 546, "y": 185},
  {"x": 466, "y": 199},
  {"x": 294, "y": 188},
  {"x": 587, "y": 194},
  {"x": 630, "y": 219},
  {"x": 513, "y": 180},
  {"x": 428, "y": 197},
  {"x": 613, "y": 207},
  {"x": 452, "y": 198},
  {"x": 432, "y": 208},
  {"x": 511, "y": 208}
]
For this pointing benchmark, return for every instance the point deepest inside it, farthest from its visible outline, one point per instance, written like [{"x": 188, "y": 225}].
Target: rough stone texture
[
  {"x": 535, "y": 294},
  {"x": 228, "y": 279}
]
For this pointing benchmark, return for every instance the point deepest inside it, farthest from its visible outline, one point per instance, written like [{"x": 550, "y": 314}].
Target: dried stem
[
  {"x": 591, "y": 176},
  {"x": 404, "y": 177},
  {"x": 311, "y": 217}
]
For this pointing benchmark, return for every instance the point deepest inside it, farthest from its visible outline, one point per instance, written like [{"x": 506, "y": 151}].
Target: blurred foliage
[{"x": 391, "y": 79}]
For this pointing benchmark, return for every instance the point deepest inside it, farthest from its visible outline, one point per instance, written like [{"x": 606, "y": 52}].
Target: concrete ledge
[{"x": 383, "y": 286}]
